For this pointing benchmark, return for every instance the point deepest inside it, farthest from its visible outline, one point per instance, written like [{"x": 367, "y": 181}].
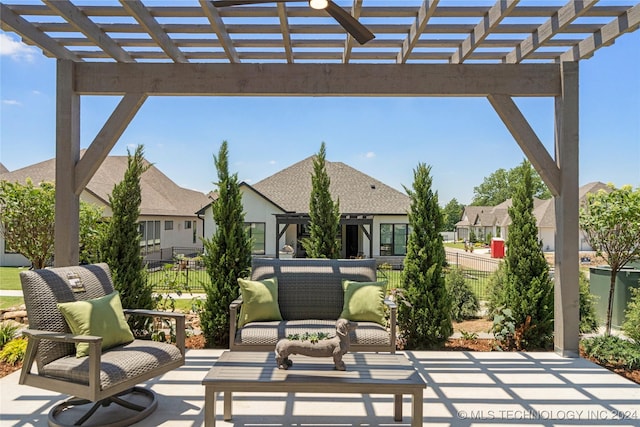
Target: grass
[
  {"x": 10, "y": 278},
  {"x": 7, "y": 302}
]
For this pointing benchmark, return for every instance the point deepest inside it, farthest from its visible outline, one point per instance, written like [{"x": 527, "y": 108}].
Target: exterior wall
[
  {"x": 383, "y": 219},
  {"x": 257, "y": 209},
  {"x": 547, "y": 235}
]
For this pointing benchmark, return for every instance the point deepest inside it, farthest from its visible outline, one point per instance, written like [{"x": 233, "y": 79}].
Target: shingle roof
[
  {"x": 543, "y": 210},
  {"x": 3, "y": 169},
  {"x": 160, "y": 195},
  {"x": 358, "y": 193}
]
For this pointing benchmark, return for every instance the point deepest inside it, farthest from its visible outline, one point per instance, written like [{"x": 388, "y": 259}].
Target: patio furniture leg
[
  {"x": 228, "y": 398},
  {"x": 397, "y": 407},
  {"x": 416, "y": 409},
  {"x": 209, "y": 407}
]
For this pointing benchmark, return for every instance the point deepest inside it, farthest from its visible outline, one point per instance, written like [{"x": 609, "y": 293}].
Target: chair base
[{"x": 139, "y": 403}]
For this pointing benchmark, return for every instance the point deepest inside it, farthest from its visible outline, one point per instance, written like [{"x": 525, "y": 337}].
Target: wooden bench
[
  {"x": 310, "y": 298},
  {"x": 366, "y": 373}
]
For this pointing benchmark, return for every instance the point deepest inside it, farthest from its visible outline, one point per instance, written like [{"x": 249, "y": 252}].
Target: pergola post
[
  {"x": 67, "y": 233},
  {"x": 567, "y": 295}
]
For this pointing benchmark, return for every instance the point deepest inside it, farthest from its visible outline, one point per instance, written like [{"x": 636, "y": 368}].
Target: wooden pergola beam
[
  {"x": 559, "y": 21},
  {"x": 528, "y": 141},
  {"x": 627, "y": 22},
  {"x": 286, "y": 34},
  {"x": 99, "y": 149},
  {"x": 149, "y": 23},
  {"x": 215, "y": 20},
  {"x": 489, "y": 22},
  {"x": 318, "y": 79},
  {"x": 349, "y": 41},
  {"x": 32, "y": 35},
  {"x": 426, "y": 11},
  {"x": 75, "y": 17}
]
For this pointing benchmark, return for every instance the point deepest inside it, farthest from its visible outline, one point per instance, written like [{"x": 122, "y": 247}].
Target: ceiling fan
[{"x": 344, "y": 18}]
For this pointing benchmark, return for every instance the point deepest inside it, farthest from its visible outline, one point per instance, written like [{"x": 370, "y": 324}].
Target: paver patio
[{"x": 463, "y": 389}]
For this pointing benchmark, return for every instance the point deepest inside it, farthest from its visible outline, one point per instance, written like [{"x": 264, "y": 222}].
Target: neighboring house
[
  {"x": 167, "y": 212},
  {"x": 495, "y": 220},
  {"x": 374, "y": 221}
]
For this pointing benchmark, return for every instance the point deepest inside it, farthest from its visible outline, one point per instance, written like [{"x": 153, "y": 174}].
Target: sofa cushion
[
  {"x": 364, "y": 301},
  {"x": 102, "y": 317},
  {"x": 268, "y": 333},
  {"x": 259, "y": 300}
]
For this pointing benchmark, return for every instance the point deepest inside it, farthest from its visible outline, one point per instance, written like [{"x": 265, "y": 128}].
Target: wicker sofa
[{"x": 310, "y": 299}]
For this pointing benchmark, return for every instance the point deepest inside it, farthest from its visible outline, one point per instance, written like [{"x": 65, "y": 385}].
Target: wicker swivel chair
[{"x": 104, "y": 376}]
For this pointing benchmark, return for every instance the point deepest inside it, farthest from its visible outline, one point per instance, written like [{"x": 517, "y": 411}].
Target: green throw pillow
[
  {"x": 259, "y": 301},
  {"x": 364, "y": 301},
  {"x": 101, "y": 317}
]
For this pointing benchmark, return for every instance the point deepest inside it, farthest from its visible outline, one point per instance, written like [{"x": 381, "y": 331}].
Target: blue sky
[{"x": 461, "y": 138}]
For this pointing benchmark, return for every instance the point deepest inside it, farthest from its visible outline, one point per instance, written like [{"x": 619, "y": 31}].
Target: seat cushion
[
  {"x": 268, "y": 333},
  {"x": 118, "y": 364}
]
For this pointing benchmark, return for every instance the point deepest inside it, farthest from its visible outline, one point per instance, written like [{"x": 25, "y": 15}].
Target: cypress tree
[
  {"x": 528, "y": 287},
  {"x": 426, "y": 323},
  {"x": 227, "y": 254},
  {"x": 324, "y": 214},
  {"x": 121, "y": 247}
]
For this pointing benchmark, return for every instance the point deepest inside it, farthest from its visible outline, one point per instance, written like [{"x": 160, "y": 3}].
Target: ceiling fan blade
[{"x": 349, "y": 23}]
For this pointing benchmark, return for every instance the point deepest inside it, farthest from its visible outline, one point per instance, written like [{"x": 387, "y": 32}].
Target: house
[
  {"x": 167, "y": 219},
  {"x": 374, "y": 221},
  {"x": 494, "y": 221}
]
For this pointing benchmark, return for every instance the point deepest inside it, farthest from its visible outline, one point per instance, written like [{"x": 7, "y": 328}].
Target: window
[
  {"x": 255, "y": 231},
  {"x": 149, "y": 236},
  {"x": 168, "y": 225},
  {"x": 187, "y": 225},
  {"x": 393, "y": 239}
]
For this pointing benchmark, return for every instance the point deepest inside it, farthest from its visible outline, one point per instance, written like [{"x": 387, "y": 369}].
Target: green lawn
[
  {"x": 6, "y": 302},
  {"x": 10, "y": 279}
]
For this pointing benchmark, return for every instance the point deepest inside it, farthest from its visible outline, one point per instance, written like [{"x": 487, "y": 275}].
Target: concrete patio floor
[{"x": 463, "y": 389}]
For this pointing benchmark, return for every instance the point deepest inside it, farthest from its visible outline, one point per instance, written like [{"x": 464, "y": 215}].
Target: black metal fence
[
  {"x": 189, "y": 273},
  {"x": 477, "y": 270}
]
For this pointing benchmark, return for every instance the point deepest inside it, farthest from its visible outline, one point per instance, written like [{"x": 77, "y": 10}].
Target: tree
[
  {"x": 227, "y": 254},
  {"x": 121, "y": 247},
  {"x": 502, "y": 184},
  {"x": 426, "y": 321},
  {"x": 611, "y": 223},
  {"x": 528, "y": 287},
  {"x": 451, "y": 214},
  {"x": 28, "y": 218},
  {"x": 324, "y": 214}
]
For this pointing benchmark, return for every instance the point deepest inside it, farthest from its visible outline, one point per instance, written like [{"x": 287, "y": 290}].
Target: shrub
[
  {"x": 497, "y": 298},
  {"x": 588, "y": 318},
  {"x": 612, "y": 351},
  {"x": 464, "y": 303},
  {"x": 631, "y": 325},
  {"x": 7, "y": 332},
  {"x": 13, "y": 351}
]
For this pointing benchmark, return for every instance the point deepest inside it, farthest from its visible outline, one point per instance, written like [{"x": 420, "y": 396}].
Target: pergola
[{"x": 433, "y": 48}]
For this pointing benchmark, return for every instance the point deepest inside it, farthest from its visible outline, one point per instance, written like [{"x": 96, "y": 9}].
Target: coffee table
[{"x": 367, "y": 373}]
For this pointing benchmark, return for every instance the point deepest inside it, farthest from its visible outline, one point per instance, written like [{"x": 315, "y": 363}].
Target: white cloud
[
  {"x": 16, "y": 49},
  {"x": 272, "y": 162},
  {"x": 10, "y": 102},
  {"x": 369, "y": 155}
]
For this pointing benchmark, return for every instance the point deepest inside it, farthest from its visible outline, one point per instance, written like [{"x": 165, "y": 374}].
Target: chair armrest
[
  {"x": 233, "y": 321},
  {"x": 393, "y": 310},
  {"x": 178, "y": 317},
  {"x": 38, "y": 335},
  {"x": 34, "y": 337}
]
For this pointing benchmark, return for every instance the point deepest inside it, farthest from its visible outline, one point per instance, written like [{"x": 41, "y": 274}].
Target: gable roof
[
  {"x": 3, "y": 168},
  {"x": 357, "y": 192},
  {"x": 543, "y": 210},
  {"x": 160, "y": 195}
]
